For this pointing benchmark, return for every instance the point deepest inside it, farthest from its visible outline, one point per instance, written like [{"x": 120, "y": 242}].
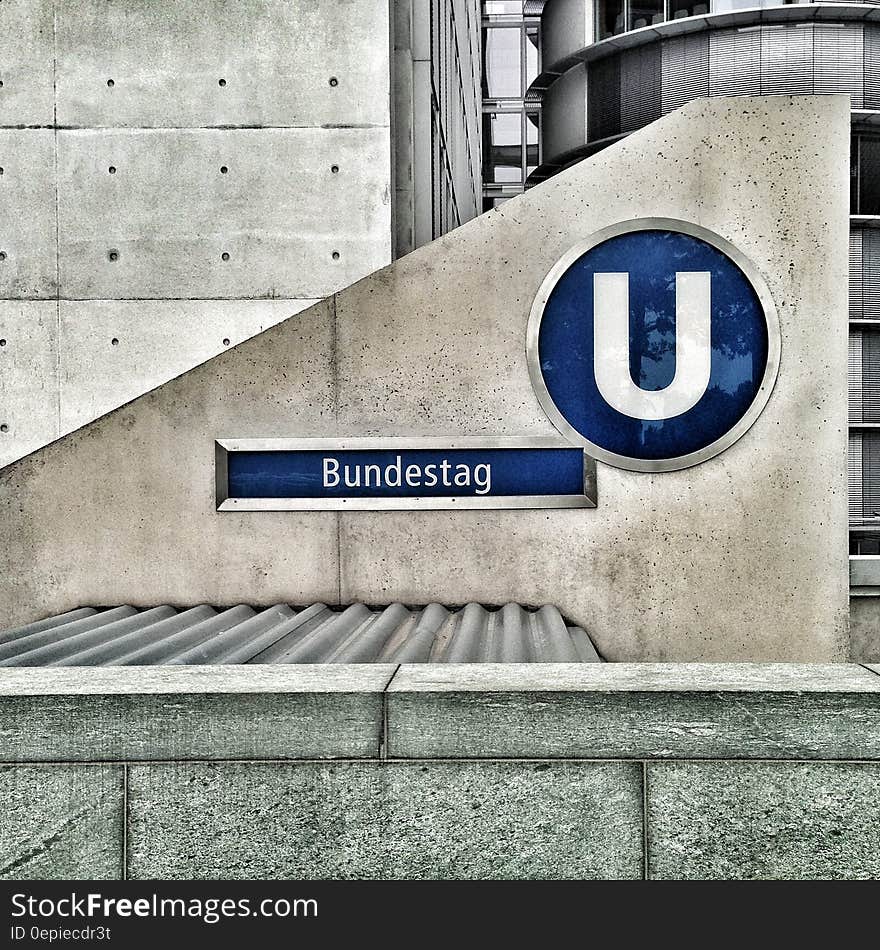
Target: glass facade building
[
  {"x": 619, "y": 64},
  {"x": 511, "y": 58}
]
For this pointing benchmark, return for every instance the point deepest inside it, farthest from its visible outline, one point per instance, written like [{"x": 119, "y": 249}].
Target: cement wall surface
[
  {"x": 176, "y": 177},
  {"x": 742, "y": 557},
  {"x": 493, "y": 771}
]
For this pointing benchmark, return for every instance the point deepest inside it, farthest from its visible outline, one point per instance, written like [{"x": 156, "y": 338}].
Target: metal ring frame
[{"x": 773, "y": 345}]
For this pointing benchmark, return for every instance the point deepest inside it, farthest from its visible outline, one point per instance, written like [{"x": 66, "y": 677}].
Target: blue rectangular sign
[{"x": 315, "y": 474}]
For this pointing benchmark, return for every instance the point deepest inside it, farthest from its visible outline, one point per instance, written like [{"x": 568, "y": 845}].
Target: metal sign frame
[{"x": 223, "y": 447}]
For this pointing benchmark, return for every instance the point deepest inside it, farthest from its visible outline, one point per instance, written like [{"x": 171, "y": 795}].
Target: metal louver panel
[
  {"x": 872, "y": 67},
  {"x": 639, "y": 87},
  {"x": 685, "y": 70},
  {"x": 864, "y": 274},
  {"x": 864, "y": 478},
  {"x": 603, "y": 83},
  {"x": 854, "y": 463},
  {"x": 735, "y": 62},
  {"x": 854, "y": 375},
  {"x": 856, "y": 307},
  {"x": 864, "y": 376},
  {"x": 787, "y": 60},
  {"x": 124, "y": 636},
  {"x": 838, "y": 65},
  {"x": 871, "y": 274}
]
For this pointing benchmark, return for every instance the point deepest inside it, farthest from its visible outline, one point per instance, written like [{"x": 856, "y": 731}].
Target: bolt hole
[
  {"x": 1, "y": 169},
  {"x": 226, "y": 341},
  {"x": 2, "y": 342},
  {"x": 221, "y": 82},
  {"x": 334, "y": 169},
  {"x": 1, "y": 83},
  {"x": 112, "y": 169},
  {"x": 2, "y": 255},
  {"x": 223, "y": 169},
  {"x": 334, "y": 81},
  {"x": 114, "y": 342},
  {"x": 113, "y": 255},
  {"x": 335, "y": 255},
  {"x": 110, "y": 84},
  {"x": 4, "y": 428},
  {"x": 224, "y": 256}
]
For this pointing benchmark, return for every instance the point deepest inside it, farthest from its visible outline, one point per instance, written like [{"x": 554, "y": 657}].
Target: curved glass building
[{"x": 609, "y": 67}]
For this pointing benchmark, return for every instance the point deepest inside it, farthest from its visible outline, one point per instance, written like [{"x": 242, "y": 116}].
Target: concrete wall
[
  {"x": 743, "y": 557},
  {"x": 541, "y": 771},
  {"x": 167, "y": 95}
]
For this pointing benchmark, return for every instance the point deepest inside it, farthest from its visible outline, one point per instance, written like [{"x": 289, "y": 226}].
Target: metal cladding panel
[
  {"x": 864, "y": 275},
  {"x": 603, "y": 82},
  {"x": 854, "y": 464},
  {"x": 872, "y": 67},
  {"x": 640, "y": 85},
  {"x": 856, "y": 307},
  {"x": 864, "y": 477},
  {"x": 864, "y": 376},
  {"x": 735, "y": 63},
  {"x": 168, "y": 636},
  {"x": 839, "y": 60},
  {"x": 787, "y": 60},
  {"x": 685, "y": 70}
]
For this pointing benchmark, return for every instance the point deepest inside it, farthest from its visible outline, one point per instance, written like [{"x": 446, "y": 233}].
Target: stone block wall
[{"x": 482, "y": 771}]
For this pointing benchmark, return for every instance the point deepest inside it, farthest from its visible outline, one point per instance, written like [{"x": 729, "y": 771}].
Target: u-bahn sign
[
  {"x": 654, "y": 343},
  {"x": 375, "y": 474}
]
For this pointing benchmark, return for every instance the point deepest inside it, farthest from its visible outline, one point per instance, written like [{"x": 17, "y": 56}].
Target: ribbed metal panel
[
  {"x": 735, "y": 62},
  {"x": 864, "y": 376},
  {"x": 838, "y": 60},
  {"x": 864, "y": 274},
  {"x": 787, "y": 60},
  {"x": 854, "y": 463},
  {"x": 603, "y": 81},
  {"x": 855, "y": 275},
  {"x": 864, "y": 477},
  {"x": 872, "y": 67},
  {"x": 125, "y": 636},
  {"x": 870, "y": 274},
  {"x": 640, "y": 73},
  {"x": 685, "y": 70}
]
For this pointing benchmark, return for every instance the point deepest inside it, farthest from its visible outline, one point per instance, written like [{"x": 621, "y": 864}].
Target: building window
[
  {"x": 502, "y": 146},
  {"x": 502, "y": 63},
  {"x": 645, "y": 13},
  {"x": 609, "y": 18},
  {"x": 865, "y": 175},
  {"x": 615, "y": 16},
  {"x": 511, "y": 128}
]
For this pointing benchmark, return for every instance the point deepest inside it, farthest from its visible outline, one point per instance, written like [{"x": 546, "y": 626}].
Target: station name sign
[{"x": 373, "y": 474}]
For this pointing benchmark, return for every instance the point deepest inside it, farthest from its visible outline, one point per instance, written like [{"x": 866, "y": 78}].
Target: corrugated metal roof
[{"x": 126, "y": 636}]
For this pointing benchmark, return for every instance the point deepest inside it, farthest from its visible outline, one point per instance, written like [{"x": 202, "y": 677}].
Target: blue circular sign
[{"x": 655, "y": 343}]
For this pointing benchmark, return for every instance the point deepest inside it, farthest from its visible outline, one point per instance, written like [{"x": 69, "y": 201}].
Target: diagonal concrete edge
[{"x": 742, "y": 557}]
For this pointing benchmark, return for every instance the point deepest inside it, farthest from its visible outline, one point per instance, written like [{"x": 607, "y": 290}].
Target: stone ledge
[
  {"x": 580, "y": 711},
  {"x": 220, "y": 712},
  {"x": 773, "y": 711}
]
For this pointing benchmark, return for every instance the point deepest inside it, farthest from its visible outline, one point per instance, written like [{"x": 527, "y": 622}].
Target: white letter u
[{"x": 693, "y": 349}]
